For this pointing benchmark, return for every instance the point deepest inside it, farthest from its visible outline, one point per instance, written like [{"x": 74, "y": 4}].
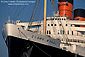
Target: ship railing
[{"x": 10, "y": 21}]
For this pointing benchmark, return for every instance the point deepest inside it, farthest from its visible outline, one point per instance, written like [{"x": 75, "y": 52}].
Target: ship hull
[{"x": 17, "y": 47}]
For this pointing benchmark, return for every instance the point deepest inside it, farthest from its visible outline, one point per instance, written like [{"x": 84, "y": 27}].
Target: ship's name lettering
[
  {"x": 37, "y": 37},
  {"x": 41, "y": 38},
  {"x": 51, "y": 41}
]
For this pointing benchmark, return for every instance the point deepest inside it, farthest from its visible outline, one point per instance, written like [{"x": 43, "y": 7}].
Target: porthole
[
  {"x": 55, "y": 19},
  {"x": 64, "y": 18},
  {"x": 51, "y": 24},
  {"x": 59, "y": 24},
  {"x": 48, "y": 24},
  {"x": 55, "y": 24},
  {"x": 66, "y": 25}
]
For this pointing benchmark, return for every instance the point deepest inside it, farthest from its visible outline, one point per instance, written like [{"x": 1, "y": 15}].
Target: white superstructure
[{"x": 72, "y": 37}]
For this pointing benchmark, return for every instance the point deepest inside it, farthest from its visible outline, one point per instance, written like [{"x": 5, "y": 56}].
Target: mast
[
  {"x": 9, "y": 14},
  {"x": 44, "y": 27}
]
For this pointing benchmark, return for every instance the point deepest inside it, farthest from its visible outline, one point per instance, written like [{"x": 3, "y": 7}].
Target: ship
[{"x": 58, "y": 36}]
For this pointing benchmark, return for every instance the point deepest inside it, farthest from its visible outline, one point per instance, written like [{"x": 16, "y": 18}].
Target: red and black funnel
[
  {"x": 65, "y": 8},
  {"x": 79, "y": 14}
]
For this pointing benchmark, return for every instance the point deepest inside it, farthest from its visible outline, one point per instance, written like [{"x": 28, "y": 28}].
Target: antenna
[
  {"x": 9, "y": 14},
  {"x": 9, "y": 19}
]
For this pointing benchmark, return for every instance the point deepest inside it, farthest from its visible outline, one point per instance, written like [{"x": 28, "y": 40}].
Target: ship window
[
  {"x": 65, "y": 14},
  {"x": 23, "y": 27},
  {"x": 70, "y": 40},
  {"x": 77, "y": 25},
  {"x": 48, "y": 24},
  {"x": 51, "y": 24},
  {"x": 56, "y": 19},
  {"x": 78, "y": 41},
  {"x": 64, "y": 48},
  {"x": 68, "y": 32},
  {"x": 58, "y": 32},
  {"x": 64, "y": 18},
  {"x": 52, "y": 19},
  {"x": 59, "y": 24},
  {"x": 55, "y": 24},
  {"x": 60, "y": 18},
  {"x": 66, "y": 25},
  {"x": 72, "y": 32},
  {"x": 47, "y": 31},
  {"x": 63, "y": 31},
  {"x": 74, "y": 40},
  {"x": 71, "y": 25}
]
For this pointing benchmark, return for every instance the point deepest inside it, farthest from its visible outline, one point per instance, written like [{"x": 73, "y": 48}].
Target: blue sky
[{"x": 24, "y": 13}]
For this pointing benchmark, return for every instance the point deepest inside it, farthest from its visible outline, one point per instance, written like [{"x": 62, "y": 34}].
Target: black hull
[{"x": 16, "y": 47}]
